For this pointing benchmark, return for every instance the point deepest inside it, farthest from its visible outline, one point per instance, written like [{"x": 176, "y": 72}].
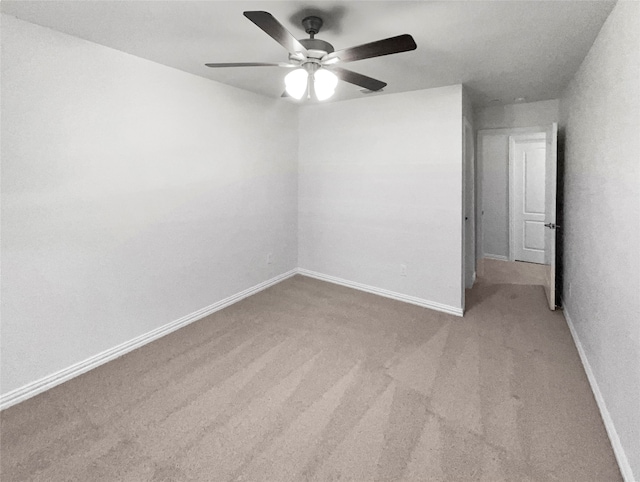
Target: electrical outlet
[
  {"x": 270, "y": 258},
  {"x": 403, "y": 270}
]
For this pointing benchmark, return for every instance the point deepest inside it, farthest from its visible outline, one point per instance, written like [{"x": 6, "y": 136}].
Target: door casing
[{"x": 469, "y": 208}]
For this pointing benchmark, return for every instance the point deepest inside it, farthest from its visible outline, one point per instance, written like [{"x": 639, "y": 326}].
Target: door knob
[{"x": 552, "y": 226}]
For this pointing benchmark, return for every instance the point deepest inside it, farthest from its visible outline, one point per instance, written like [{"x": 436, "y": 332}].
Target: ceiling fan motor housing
[
  {"x": 317, "y": 48},
  {"x": 312, "y": 24},
  {"x": 317, "y": 44}
]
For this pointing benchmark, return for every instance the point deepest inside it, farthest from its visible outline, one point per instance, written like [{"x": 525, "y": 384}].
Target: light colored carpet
[
  {"x": 312, "y": 381},
  {"x": 511, "y": 272}
]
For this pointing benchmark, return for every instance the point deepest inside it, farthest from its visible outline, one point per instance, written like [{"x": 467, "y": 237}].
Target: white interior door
[
  {"x": 528, "y": 165},
  {"x": 551, "y": 186}
]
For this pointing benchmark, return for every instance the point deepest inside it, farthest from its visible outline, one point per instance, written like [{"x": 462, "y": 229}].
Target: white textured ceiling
[{"x": 500, "y": 50}]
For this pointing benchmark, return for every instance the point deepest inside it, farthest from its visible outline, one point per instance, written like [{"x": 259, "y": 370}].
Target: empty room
[{"x": 332, "y": 240}]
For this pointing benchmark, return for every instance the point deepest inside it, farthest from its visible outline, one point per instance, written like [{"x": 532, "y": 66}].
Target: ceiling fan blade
[
  {"x": 393, "y": 45},
  {"x": 275, "y": 30},
  {"x": 357, "y": 79},
  {"x": 251, "y": 64}
]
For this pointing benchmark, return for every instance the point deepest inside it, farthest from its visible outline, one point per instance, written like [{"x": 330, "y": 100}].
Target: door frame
[
  {"x": 469, "y": 196},
  {"x": 508, "y": 131},
  {"x": 534, "y": 136},
  {"x": 551, "y": 208}
]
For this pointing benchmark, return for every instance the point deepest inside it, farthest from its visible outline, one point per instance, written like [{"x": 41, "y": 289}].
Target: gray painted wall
[
  {"x": 600, "y": 118},
  {"x": 376, "y": 195},
  {"x": 518, "y": 115},
  {"x": 133, "y": 194},
  {"x": 494, "y": 177}
]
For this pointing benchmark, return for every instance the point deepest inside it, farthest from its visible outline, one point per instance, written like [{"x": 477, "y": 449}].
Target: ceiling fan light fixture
[
  {"x": 309, "y": 57},
  {"x": 325, "y": 83},
  {"x": 296, "y": 83}
]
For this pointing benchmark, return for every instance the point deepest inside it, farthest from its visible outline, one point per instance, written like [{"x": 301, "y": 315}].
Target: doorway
[{"x": 517, "y": 201}]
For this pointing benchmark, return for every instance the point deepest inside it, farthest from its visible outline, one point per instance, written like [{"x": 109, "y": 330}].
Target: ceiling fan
[{"x": 314, "y": 61}]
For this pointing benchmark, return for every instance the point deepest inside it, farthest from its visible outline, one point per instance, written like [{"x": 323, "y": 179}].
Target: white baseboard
[
  {"x": 618, "y": 449},
  {"x": 452, "y": 310},
  {"x": 499, "y": 257},
  {"x": 34, "y": 388},
  {"x": 31, "y": 389}
]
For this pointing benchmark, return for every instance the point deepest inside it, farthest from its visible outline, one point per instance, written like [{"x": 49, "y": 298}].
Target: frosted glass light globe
[
  {"x": 296, "y": 83},
  {"x": 325, "y": 83}
]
